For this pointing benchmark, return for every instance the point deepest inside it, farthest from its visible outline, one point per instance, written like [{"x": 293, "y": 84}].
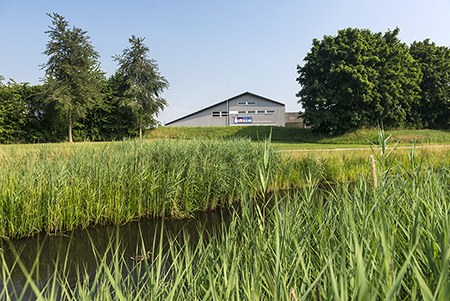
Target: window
[
  {"x": 251, "y": 112},
  {"x": 248, "y": 103},
  {"x": 219, "y": 114},
  {"x": 270, "y": 111},
  {"x": 261, "y": 112},
  {"x": 242, "y": 112}
]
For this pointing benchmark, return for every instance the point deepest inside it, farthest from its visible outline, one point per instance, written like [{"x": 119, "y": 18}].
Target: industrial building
[
  {"x": 293, "y": 120},
  {"x": 244, "y": 109}
]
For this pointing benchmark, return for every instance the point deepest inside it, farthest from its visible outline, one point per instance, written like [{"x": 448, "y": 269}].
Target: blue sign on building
[{"x": 238, "y": 120}]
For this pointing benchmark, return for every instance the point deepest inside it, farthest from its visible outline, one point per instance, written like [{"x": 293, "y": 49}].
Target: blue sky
[{"x": 203, "y": 46}]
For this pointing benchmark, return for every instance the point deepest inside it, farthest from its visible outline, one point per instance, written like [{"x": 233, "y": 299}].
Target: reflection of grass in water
[{"x": 355, "y": 244}]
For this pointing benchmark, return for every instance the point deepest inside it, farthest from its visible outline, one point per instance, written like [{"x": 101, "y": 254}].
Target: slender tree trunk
[
  {"x": 140, "y": 125},
  {"x": 70, "y": 126}
]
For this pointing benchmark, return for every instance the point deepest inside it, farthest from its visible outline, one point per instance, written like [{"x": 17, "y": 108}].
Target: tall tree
[
  {"x": 434, "y": 63},
  {"x": 144, "y": 81},
  {"x": 358, "y": 79},
  {"x": 72, "y": 70}
]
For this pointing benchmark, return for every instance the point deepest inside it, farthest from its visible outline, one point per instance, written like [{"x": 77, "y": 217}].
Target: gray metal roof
[{"x": 224, "y": 101}]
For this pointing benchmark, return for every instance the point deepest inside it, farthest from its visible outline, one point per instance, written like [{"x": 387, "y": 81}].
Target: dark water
[{"x": 50, "y": 251}]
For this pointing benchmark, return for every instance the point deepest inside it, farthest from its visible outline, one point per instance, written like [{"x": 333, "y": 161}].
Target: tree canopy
[
  {"x": 144, "y": 82},
  {"x": 359, "y": 79},
  {"x": 12, "y": 108},
  {"x": 434, "y": 62}
]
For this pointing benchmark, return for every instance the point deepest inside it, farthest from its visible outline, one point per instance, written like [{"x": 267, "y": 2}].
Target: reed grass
[
  {"x": 61, "y": 187},
  {"x": 54, "y": 189},
  {"x": 347, "y": 242},
  {"x": 346, "y": 165}
]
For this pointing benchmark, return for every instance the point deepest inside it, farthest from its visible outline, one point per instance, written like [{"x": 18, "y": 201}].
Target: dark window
[
  {"x": 251, "y": 112},
  {"x": 242, "y": 112},
  {"x": 261, "y": 112},
  {"x": 219, "y": 114},
  {"x": 248, "y": 103}
]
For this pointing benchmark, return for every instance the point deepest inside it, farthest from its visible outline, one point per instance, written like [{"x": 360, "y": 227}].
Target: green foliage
[
  {"x": 434, "y": 62},
  {"x": 25, "y": 117},
  {"x": 109, "y": 118},
  {"x": 144, "y": 82},
  {"x": 12, "y": 111},
  {"x": 359, "y": 79},
  {"x": 72, "y": 71}
]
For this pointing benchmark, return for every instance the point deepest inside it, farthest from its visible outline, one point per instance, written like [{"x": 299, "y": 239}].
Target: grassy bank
[
  {"x": 352, "y": 242},
  {"x": 298, "y": 135}
]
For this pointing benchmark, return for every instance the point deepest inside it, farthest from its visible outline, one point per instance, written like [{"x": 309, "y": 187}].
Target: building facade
[
  {"x": 244, "y": 109},
  {"x": 294, "y": 121}
]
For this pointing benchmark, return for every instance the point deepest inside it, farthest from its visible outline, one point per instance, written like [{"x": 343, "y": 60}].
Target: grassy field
[{"x": 306, "y": 137}]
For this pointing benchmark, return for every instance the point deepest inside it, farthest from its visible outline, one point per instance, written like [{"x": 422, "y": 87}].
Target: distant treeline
[
  {"x": 360, "y": 79},
  {"x": 27, "y": 117}
]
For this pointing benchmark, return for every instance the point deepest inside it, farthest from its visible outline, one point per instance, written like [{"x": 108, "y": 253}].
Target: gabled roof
[{"x": 224, "y": 101}]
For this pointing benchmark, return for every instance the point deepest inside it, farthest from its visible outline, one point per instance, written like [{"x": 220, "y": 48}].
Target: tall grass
[
  {"x": 346, "y": 165},
  {"x": 346, "y": 243},
  {"x": 52, "y": 189}
]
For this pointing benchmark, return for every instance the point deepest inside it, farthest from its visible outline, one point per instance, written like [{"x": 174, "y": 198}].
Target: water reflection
[{"x": 79, "y": 246}]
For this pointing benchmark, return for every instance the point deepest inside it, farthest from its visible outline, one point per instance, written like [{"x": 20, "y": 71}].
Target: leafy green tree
[
  {"x": 358, "y": 79},
  {"x": 434, "y": 63},
  {"x": 72, "y": 70},
  {"x": 44, "y": 122},
  {"x": 13, "y": 111},
  {"x": 25, "y": 118},
  {"x": 144, "y": 81}
]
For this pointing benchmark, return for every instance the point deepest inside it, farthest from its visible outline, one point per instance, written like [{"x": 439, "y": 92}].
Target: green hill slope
[{"x": 297, "y": 135}]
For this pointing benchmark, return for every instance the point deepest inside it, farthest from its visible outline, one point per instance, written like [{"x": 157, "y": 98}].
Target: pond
[{"x": 49, "y": 252}]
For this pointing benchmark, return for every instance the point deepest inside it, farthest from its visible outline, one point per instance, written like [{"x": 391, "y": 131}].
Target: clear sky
[{"x": 203, "y": 46}]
